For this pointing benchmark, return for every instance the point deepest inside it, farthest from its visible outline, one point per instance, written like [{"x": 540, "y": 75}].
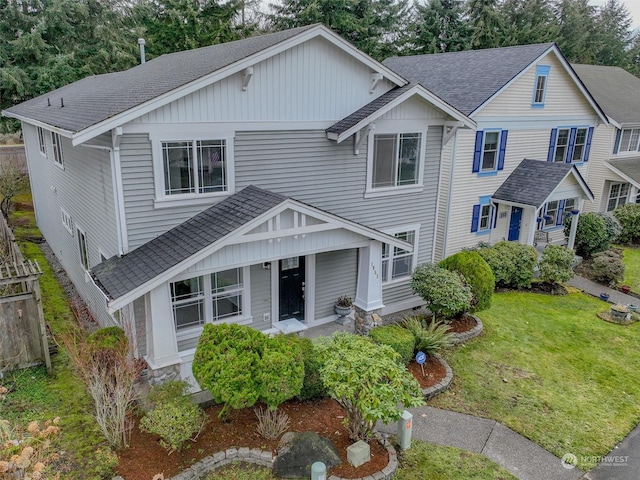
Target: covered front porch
[{"x": 276, "y": 264}]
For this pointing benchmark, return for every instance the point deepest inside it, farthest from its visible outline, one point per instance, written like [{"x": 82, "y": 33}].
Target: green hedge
[{"x": 398, "y": 338}]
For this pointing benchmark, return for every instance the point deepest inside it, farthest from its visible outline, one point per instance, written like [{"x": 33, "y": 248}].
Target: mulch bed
[
  {"x": 434, "y": 372},
  {"x": 461, "y": 324},
  {"x": 146, "y": 458}
]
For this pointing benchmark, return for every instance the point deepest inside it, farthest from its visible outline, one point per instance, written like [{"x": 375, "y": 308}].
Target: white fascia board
[
  {"x": 36, "y": 123},
  {"x": 416, "y": 90},
  {"x": 552, "y": 48},
  {"x": 240, "y": 65},
  {"x": 586, "y": 192},
  {"x": 623, "y": 175},
  {"x": 230, "y": 239},
  {"x": 615, "y": 123},
  {"x": 514, "y": 204}
]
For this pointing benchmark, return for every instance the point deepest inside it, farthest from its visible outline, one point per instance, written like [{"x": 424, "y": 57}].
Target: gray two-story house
[{"x": 251, "y": 182}]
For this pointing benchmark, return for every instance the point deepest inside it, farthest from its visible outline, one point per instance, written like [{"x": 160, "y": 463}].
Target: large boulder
[{"x": 298, "y": 451}]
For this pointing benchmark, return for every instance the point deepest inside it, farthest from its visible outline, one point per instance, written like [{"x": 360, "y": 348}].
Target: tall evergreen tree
[
  {"x": 613, "y": 34},
  {"x": 528, "y": 21},
  {"x": 576, "y": 39},
  {"x": 439, "y": 27},
  {"x": 486, "y": 23}
]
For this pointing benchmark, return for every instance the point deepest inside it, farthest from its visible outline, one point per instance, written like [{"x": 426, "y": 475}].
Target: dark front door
[
  {"x": 292, "y": 288},
  {"x": 514, "y": 224}
]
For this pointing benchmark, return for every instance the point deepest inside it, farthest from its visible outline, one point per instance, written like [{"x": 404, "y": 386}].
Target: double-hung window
[
  {"x": 570, "y": 144},
  {"x": 398, "y": 263},
  {"x": 569, "y": 207},
  {"x": 490, "y": 148},
  {"x": 618, "y": 195},
  {"x": 83, "y": 248},
  {"x": 42, "y": 144},
  {"x": 553, "y": 213},
  {"x": 395, "y": 161},
  {"x": 195, "y": 167},
  {"x": 483, "y": 217},
  {"x": 56, "y": 143},
  {"x": 628, "y": 140},
  {"x": 540, "y": 86}
]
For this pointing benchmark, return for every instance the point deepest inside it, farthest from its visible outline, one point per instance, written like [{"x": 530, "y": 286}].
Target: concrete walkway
[
  {"x": 622, "y": 463},
  {"x": 595, "y": 289},
  {"x": 517, "y": 454}
]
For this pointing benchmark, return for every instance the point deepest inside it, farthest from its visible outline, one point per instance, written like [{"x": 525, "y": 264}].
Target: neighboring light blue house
[{"x": 251, "y": 182}]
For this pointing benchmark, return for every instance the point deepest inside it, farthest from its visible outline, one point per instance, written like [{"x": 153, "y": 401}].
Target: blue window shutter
[
  {"x": 475, "y": 219},
  {"x": 477, "y": 153},
  {"x": 616, "y": 145},
  {"x": 552, "y": 144},
  {"x": 560, "y": 214},
  {"x": 572, "y": 144},
  {"x": 503, "y": 147},
  {"x": 587, "y": 147}
]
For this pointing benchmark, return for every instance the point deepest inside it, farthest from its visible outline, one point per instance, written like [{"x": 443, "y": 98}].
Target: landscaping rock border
[
  {"x": 265, "y": 458},
  {"x": 444, "y": 384},
  {"x": 462, "y": 337}
]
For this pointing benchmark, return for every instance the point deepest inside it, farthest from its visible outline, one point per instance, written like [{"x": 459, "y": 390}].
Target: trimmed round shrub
[
  {"x": 478, "y": 275},
  {"x": 607, "y": 267},
  {"x": 629, "y": 217},
  {"x": 556, "y": 264},
  {"x": 398, "y": 338},
  {"x": 312, "y": 386},
  {"x": 593, "y": 235},
  {"x": 445, "y": 292},
  {"x": 513, "y": 264},
  {"x": 281, "y": 370}
]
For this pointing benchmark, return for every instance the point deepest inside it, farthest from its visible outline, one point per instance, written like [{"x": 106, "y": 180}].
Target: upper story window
[
  {"x": 570, "y": 144},
  {"x": 398, "y": 263},
  {"x": 483, "y": 218},
  {"x": 490, "y": 148},
  {"x": 540, "y": 86},
  {"x": 56, "y": 143},
  {"x": 42, "y": 144},
  {"x": 618, "y": 195},
  {"x": 628, "y": 140},
  {"x": 396, "y": 159},
  {"x": 195, "y": 167}
]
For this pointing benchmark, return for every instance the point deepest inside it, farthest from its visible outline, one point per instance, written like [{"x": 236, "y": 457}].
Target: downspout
[{"x": 116, "y": 171}]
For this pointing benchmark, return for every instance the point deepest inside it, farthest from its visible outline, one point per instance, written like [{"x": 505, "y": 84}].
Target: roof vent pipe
[{"x": 141, "y": 42}]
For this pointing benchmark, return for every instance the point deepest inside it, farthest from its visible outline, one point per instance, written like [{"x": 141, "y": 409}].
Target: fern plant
[{"x": 430, "y": 338}]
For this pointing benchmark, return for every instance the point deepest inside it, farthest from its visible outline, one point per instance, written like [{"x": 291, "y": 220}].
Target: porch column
[
  {"x": 574, "y": 225},
  {"x": 369, "y": 289},
  {"x": 533, "y": 225},
  {"x": 162, "y": 346}
]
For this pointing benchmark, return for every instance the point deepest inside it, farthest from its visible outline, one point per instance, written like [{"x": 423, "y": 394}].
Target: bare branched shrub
[
  {"x": 104, "y": 363},
  {"x": 271, "y": 423},
  {"x": 13, "y": 181}
]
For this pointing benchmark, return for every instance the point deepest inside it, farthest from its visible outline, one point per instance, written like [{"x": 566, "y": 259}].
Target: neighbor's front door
[
  {"x": 292, "y": 288},
  {"x": 514, "y": 224}
]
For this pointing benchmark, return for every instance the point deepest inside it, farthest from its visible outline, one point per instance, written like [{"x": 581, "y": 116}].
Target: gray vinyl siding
[
  {"x": 260, "y": 296},
  {"x": 84, "y": 189},
  {"x": 336, "y": 275}
]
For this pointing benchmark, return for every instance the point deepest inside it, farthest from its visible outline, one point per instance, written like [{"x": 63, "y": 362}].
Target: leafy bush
[
  {"x": 556, "y": 264},
  {"x": 281, "y": 370},
  {"x": 312, "y": 386},
  {"x": 594, "y": 233},
  {"x": 629, "y": 217},
  {"x": 367, "y": 380},
  {"x": 478, "y": 275},
  {"x": 607, "y": 267},
  {"x": 445, "y": 292},
  {"x": 398, "y": 338},
  {"x": 512, "y": 263},
  {"x": 429, "y": 338}
]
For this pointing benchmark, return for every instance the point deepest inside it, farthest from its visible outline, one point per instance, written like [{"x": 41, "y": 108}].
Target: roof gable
[{"x": 96, "y": 104}]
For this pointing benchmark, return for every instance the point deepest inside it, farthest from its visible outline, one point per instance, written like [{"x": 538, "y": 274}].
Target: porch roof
[
  {"x": 534, "y": 181},
  {"x": 627, "y": 168},
  {"x": 132, "y": 275}
]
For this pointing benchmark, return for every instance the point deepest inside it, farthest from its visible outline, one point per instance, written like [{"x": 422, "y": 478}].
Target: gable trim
[
  {"x": 626, "y": 177},
  {"x": 588, "y": 195}
]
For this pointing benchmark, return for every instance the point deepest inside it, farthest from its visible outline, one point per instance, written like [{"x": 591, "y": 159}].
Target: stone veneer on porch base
[{"x": 365, "y": 321}]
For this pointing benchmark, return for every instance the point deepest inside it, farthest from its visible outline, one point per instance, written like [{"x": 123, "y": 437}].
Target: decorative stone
[
  {"x": 300, "y": 451},
  {"x": 359, "y": 453}
]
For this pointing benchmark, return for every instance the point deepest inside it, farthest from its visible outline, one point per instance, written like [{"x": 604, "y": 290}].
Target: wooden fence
[{"x": 14, "y": 154}]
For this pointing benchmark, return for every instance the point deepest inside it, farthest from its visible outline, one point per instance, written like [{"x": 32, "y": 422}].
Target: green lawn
[
  {"x": 631, "y": 259},
  {"x": 551, "y": 370}
]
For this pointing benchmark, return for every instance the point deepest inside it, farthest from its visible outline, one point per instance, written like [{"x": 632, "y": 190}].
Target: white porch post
[
  {"x": 162, "y": 346},
  {"x": 533, "y": 225},
  {"x": 574, "y": 225},
  {"x": 369, "y": 289}
]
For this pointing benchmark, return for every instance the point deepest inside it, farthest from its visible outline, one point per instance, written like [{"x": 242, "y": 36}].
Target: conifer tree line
[{"x": 45, "y": 44}]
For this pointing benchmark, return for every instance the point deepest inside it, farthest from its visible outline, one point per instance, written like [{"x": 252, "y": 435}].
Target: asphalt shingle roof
[
  {"x": 369, "y": 109},
  {"x": 467, "y": 79},
  {"x": 118, "y": 276},
  {"x": 616, "y": 91},
  {"x": 629, "y": 166},
  {"x": 93, "y": 99},
  {"x": 532, "y": 182}
]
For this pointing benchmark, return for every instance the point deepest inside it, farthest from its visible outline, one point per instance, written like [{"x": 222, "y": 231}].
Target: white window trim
[
  {"x": 555, "y": 147},
  {"x": 67, "y": 221},
  {"x": 497, "y": 157},
  {"x": 611, "y": 185},
  {"x": 57, "y": 152},
  {"x": 42, "y": 141},
  {"x": 82, "y": 231},
  {"x": 395, "y": 129},
  {"x": 584, "y": 148},
  {"x": 416, "y": 242},
  {"x": 181, "y": 133},
  {"x": 489, "y": 226},
  {"x": 628, "y": 152},
  {"x": 244, "y": 319}
]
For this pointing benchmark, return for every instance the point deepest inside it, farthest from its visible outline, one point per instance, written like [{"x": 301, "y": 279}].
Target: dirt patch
[
  {"x": 146, "y": 458},
  {"x": 460, "y": 324},
  {"x": 434, "y": 372}
]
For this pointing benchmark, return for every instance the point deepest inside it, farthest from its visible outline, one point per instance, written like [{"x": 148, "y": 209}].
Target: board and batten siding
[
  {"x": 84, "y": 189},
  {"x": 336, "y": 275},
  {"x": 313, "y": 81},
  {"x": 260, "y": 296}
]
